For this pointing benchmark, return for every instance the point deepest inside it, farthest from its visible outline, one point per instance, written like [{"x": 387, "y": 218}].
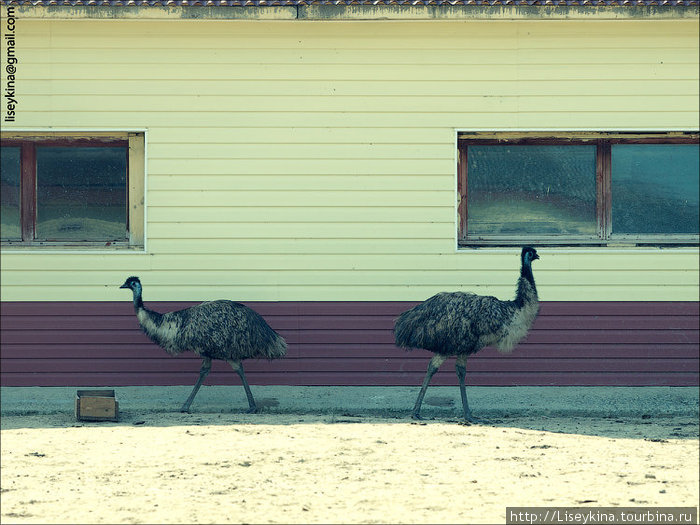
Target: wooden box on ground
[{"x": 96, "y": 405}]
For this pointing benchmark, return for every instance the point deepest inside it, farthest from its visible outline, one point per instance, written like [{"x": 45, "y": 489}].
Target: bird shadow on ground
[{"x": 645, "y": 427}]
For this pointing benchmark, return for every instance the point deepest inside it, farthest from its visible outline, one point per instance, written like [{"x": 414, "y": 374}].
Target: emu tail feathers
[
  {"x": 277, "y": 347},
  {"x": 402, "y": 334},
  {"x": 409, "y": 330}
]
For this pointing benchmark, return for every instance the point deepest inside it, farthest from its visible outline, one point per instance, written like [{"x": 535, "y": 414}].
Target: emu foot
[
  {"x": 417, "y": 416},
  {"x": 471, "y": 420},
  {"x": 252, "y": 410},
  {"x": 185, "y": 410}
]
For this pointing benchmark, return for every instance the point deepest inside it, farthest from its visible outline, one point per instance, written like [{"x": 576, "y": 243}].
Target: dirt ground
[{"x": 281, "y": 468}]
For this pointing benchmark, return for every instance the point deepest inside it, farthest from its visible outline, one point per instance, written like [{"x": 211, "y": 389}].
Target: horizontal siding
[
  {"x": 532, "y": 118},
  {"x": 388, "y": 104},
  {"x": 272, "y": 290},
  {"x": 310, "y": 269},
  {"x": 387, "y": 277},
  {"x": 505, "y": 262},
  {"x": 351, "y": 343},
  {"x": 295, "y": 161},
  {"x": 308, "y": 52},
  {"x": 352, "y": 88}
]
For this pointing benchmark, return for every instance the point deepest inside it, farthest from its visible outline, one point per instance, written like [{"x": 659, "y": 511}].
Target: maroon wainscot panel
[{"x": 351, "y": 343}]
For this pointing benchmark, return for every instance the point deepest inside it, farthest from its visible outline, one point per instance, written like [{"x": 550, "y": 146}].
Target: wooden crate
[{"x": 96, "y": 405}]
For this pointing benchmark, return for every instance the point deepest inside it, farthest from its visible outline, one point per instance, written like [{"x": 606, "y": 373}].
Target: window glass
[
  {"x": 531, "y": 189},
  {"x": 10, "y": 228},
  {"x": 81, "y": 193},
  {"x": 655, "y": 188}
]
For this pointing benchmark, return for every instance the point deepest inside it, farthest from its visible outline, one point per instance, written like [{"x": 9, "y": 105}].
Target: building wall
[
  {"x": 351, "y": 343},
  {"x": 316, "y": 161}
]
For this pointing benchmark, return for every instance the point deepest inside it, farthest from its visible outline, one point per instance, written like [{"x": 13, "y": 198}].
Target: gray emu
[
  {"x": 221, "y": 329},
  {"x": 460, "y": 324}
]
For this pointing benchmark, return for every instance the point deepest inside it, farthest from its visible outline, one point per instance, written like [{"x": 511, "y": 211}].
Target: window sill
[
  {"x": 616, "y": 241},
  {"x": 61, "y": 247}
]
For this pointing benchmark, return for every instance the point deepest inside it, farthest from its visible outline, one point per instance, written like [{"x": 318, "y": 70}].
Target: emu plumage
[
  {"x": 221, "y": 329},
  {"x": 460, "y": 324}
]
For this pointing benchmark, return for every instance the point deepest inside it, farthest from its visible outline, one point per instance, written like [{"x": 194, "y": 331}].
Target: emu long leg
[
  {"x": 206, "y": 367},
  {"x": 433, "y": 366},
  {"x": 238, "y": 367},
  {"x": 461, "y": 368}
]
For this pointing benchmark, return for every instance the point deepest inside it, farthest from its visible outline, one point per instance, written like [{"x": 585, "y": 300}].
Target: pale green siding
[{"x": 316, "y": 160}]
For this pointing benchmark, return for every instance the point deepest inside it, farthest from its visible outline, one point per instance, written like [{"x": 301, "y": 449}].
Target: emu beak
[
  {"x": 536, "y": 256},
  {"x": 124, "y": 286}
]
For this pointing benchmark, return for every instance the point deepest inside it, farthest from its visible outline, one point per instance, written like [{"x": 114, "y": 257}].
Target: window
[
  {"x": 578, "y": 189},
  {"x": 72, "y": 190}
]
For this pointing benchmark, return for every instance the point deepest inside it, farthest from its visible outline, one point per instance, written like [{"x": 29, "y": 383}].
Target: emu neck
[
  {"x": 526, "y": 272},
  {"x": 138, "y": 302},
  {"x": 144, "y": 314},
  {"x": 148, "y": 318},
  {"x": 527, "y": 292}
]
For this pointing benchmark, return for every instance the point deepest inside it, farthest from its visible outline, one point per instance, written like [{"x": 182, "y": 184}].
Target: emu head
[
  {"x": 528, "y": 255},
  {"x": 132, "y": 283}
]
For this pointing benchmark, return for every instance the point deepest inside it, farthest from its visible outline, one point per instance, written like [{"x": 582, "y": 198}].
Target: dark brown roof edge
[{"x": 369, "y": 3}]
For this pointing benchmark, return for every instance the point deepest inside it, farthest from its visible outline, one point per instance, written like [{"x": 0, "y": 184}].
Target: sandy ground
[{"x": 281, "y": 468}]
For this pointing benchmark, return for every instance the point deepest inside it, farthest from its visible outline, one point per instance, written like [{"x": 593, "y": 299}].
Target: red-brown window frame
[
  {"x": 603, "y": 143},
  {"x": 28, "y": 185}
]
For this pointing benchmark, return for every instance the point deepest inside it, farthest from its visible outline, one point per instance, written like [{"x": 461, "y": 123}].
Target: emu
[
  {"x": 220, "y": 329},
  {"x": 460, "y": 324}
]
